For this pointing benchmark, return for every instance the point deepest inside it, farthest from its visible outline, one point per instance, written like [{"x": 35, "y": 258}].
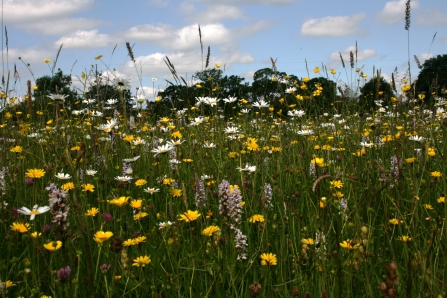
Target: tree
[
  {"x": 57, "y": 84},
  {"x": 375, "y": 89},
  {"x": 432, "y": 80}
]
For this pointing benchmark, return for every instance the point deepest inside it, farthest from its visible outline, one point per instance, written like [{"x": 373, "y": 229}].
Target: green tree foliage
[
  {"x": 432, "y": 80},
  {"x": 56, "y": 84},
  {"x": 376, "y": 88}
]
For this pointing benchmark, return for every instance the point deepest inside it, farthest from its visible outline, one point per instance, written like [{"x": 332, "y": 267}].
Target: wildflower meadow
[{"x": 276, "y": 195}]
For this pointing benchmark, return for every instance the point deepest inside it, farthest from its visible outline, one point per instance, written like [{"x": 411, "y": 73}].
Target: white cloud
[
  {"x": 251, "y": 29},
  {"x": 268, "y": 2},
  {"x": 333, "y": 26},
  {"x": 20, "y": 11},
  {"x": 215, "y": 14},
  {"x": 394, "y": 11},
  {"x": 432, "y": 17},
  {"x": 424, "y": 56},
  {"x": 150, "y": 33},
  {"x": 82, "y": 39},
  {"x": 361, "y": 55},
  {"x": 60, "y": 26},
  {"x": 29, "y": 55}
]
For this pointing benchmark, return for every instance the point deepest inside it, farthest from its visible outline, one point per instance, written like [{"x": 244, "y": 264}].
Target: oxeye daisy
[{"x": 36, "y": 210}]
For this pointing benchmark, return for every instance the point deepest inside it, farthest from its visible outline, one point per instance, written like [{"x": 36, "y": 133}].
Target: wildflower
[
  {"x": 308, "y": 241},
  {"x": 53, "y": 245},
  {"x": 410, "y": 160},
  {"x": 57, "y": 97},
  {"x": 20, "y": 227},
  {"x": 136, "y": 204},
  {"x": 140, "y": 182},
  {"x": 62, "y": 176},
  {"x": 47, "y": 60},
  {"x": 405, "y": 238},
  {"x": 88, "y": 187},
  {"x": 68, "y": 186},
  {"x": 268, "y": 259},
  {"x": 35, "y": 235},
  {"x": 189, "y": 216},
  {"x": 36, "y": 210},
  {"x": 141, "y": 261},
  {"x": 436, "y": 174},
  {"x": 102, "y": 236},
  {"x": 140, "y": 215},
  {"x": 92, "y": 212},
  {"x": 162, "y": 149},
  {"x": 168, "y": 181},
  {"x": 35, "y": 173},
  {"x": 16, "y": 149},
  {"x": 151, "y": 190},
  {"x": 333, "y": 71},
  {"x": 394, "y": 221},
  {"x": 176, "y": 192},
  {"x": 349, "y": 244},
  {"x": 124, "y": 178},
  {"x": 209, "y": 231},
  {"x": 428, "y": 207},
  {"x": 176, "y": 134},
  {"x": 8, "y": 284},
  {"x": 441, "y": 200},
  {"x": 256, "y": 218},
  {"x": 129, "y": 242},
  {"x": 120, "y": 202},
  {"x": 431, "y": 152},
  {"x": 336, "y": 184},
  {"x": 63, "y": 274},
  {"x": 318, "y": 161},
  {"x": 247, "y": 168},
  {"x": 251, "y": 144}
]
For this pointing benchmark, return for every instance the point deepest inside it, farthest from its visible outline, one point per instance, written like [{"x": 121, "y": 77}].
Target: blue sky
[{"x": 242, "y": 34}]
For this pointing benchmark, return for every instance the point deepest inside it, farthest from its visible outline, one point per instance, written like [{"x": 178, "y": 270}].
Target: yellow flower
[
  {"x": 92, "y": 212},
  {"x": 53, "y": 245},
  {"x": 337, "y": 184},
  {"x": 357, "y": 69},
  {"x": 102, "y": 236},
  {"x": 305, "y": 80},
  {"x": 428, "y": 207},
  {"x": 140, "y": 215},
  {"x": 168, "y": 181},
  {"x": 318, "y": 161},
  {"x": 189, "y": 216},
  {"x": 333, "y": 71},
  {"x": 140, "y": 182},
  {"x": 129, "y": 242},
  {"x": 394, "y": 221},
  {"x": 136, "y": 204},
  {"x": 348, "y": 244},
  {"x": 88, "y": 187},
  {"x": 410, "y": 160},
  {"x": 176, "y": 192},
  {"x": 75, "y": 148},
  {"x": 308, "y": 241},
  {"x": 120, "y": 202},
  {"x": 441, "y": 200},
  {"x": 176, "y": 134},
  {"x": 20, "y": 227},
  {"x": 217, "y": 65},
  {"x": 9, "y": 284},
  {"x": 187, "y": 160},
  {"x": 431, "y": 152},
  {"x": 256, "y": 218},
  {"x": 209, "y": 231},
  {"x": 251, "y": 144},
  {"x": 405, "y": 238},
  {"x": 268, "y": 259},
  {"x": 83, "y": 75},
  {"x": 141, "y": 261},
  {"x": 317, "y": 70},
  {"x": 46, "y": 60},
  {"x": 35, "y": 173},
  {"x": 98, "y": 57},
  {"x": 436, "y": 174},
  {"x": 36, "y": 234},
  {"x": 16, "y": 149},
  {"x": 67, "y": 186}
]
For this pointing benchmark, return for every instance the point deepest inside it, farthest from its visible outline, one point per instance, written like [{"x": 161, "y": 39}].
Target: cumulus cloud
[
  {"x": 29, "y": 55},
  {"x": 333, "y": 26},
  {"x": 334, "y": 57},
  {"x": 187, "y": 38},
  {"x": 424, "y": 56},
  {"x": 267, "y": 2},
  {"x": 394, "y": 12},
  {"x": 60, "y": 26},
  {"x": 24, "y": 11},
  {"x": 432, "y": 17},
  {"x": 82, "y": 39},
  {"x": 185, "y": 63},
  {"x": 215, "y": 13}
]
